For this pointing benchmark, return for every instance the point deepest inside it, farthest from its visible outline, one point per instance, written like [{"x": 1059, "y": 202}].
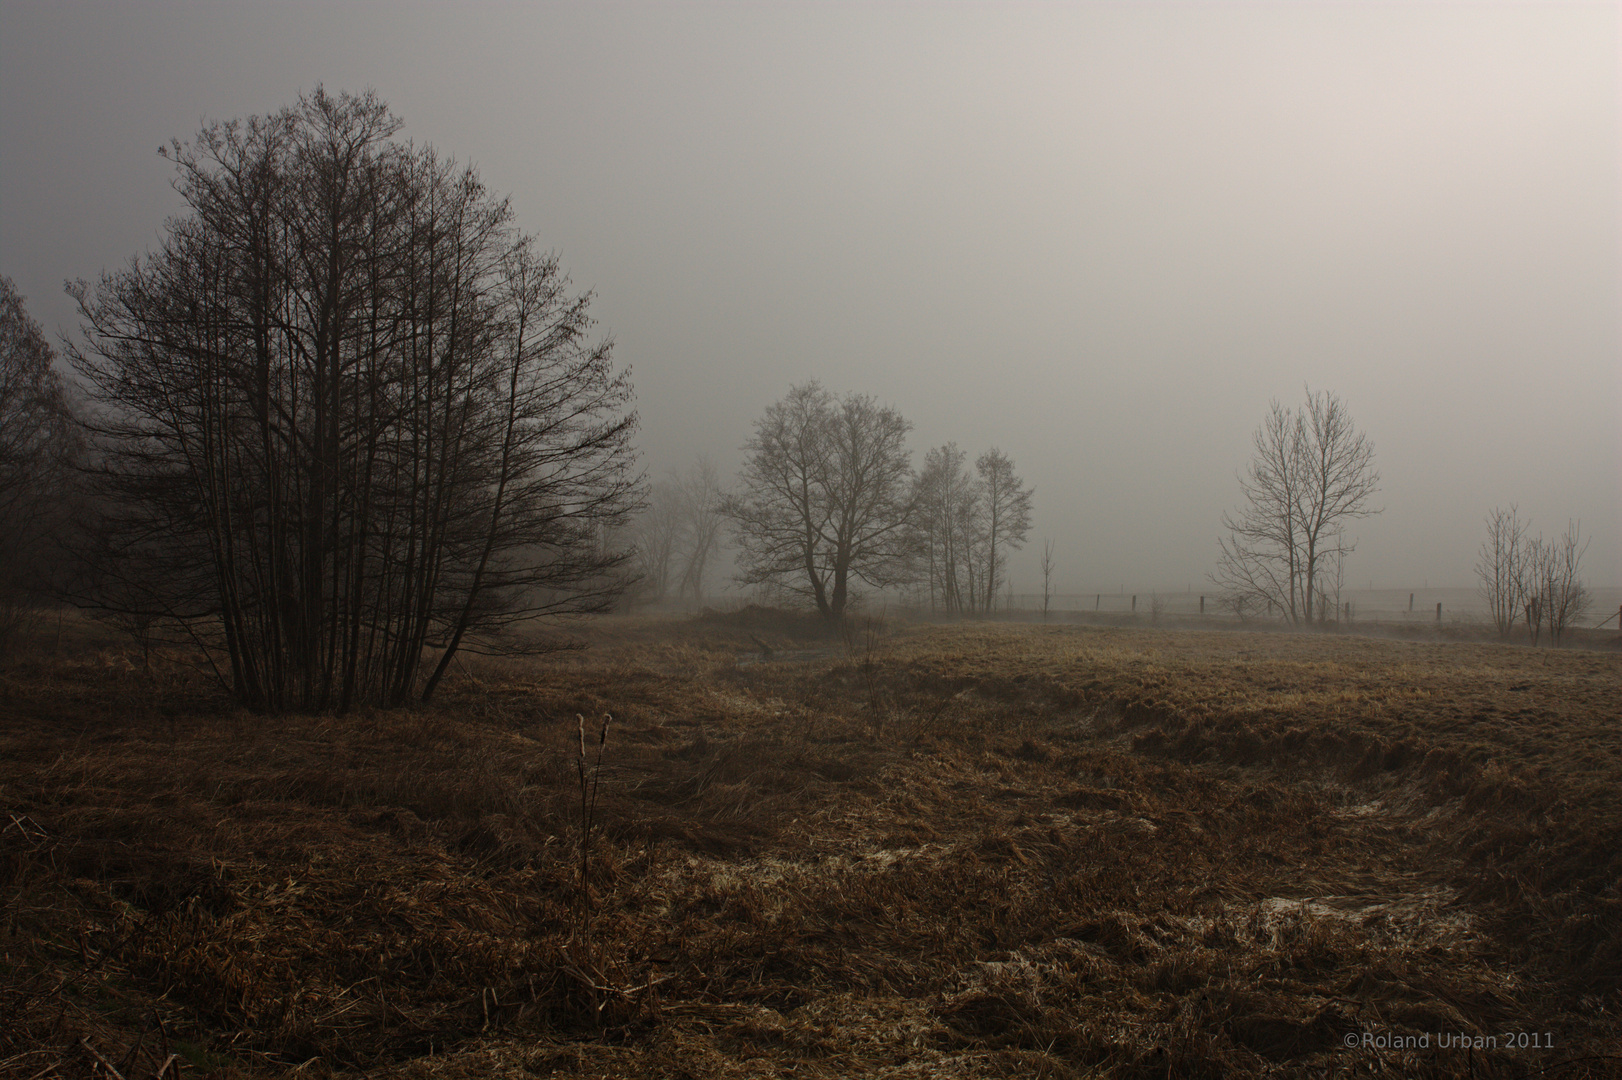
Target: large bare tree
[
  {"x": 1312, "y": 473},
  {"x": 350, "y": 421},
  {"x": 823, "y": 498}
]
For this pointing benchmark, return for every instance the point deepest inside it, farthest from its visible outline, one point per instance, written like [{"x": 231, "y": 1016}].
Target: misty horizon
[{"x": 1101, "y": 239}]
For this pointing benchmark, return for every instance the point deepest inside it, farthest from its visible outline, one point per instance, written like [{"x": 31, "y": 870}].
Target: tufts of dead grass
[{"x": 967, "y": 851}]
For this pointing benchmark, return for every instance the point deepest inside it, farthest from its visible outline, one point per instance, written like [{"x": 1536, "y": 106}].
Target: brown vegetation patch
[{"x": 938, "y": 851}]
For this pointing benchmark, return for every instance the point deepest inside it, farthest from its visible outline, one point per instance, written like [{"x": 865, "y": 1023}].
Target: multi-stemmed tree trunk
[{"x": 349, "y": 417}]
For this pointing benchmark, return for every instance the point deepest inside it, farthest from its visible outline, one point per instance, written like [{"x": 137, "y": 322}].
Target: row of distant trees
[
  {"x": 346, "y": 420},
  {"x": 676, "y": 539},
  {"x": 828, "y": 501}
]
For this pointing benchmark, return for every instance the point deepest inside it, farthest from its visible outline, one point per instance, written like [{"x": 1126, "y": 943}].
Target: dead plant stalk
[{"x": 590, "y": 782}]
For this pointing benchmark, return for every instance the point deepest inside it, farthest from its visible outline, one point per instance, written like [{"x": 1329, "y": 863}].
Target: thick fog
[{"x": 1100, "y": 237}]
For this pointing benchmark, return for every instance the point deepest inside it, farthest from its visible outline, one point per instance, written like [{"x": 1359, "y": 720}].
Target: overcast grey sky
[{"x": 1101, "y": 237}]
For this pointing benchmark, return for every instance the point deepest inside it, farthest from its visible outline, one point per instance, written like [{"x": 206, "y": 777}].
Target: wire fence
[{"x": 1400, "y": 606}]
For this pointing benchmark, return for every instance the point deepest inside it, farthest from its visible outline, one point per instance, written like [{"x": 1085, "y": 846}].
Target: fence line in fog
[
  {"x": 1398, "y": 606},
  {"x": 1382, "y": 605}
]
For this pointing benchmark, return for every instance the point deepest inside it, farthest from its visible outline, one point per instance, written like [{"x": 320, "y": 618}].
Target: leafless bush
[
  {"x": 1562, "y": 598},
  {"x": 591, "y": 782},
  {"x": 1503, "y": 567},
  {"x": 865, "y": 639},
  {"x": 1530, "y": 577}
]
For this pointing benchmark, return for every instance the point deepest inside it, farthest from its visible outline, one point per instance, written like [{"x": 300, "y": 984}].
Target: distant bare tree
[
  {"x": 655, "y": 536},
  {"x": 1557, "y": 566},
  {"x": 1007, "y": 514},
  {"x": 824, "y": 497},
  {"x": 964, "y": 525},
  {"x": 1504, "y": 567},
  {"x": 948, "y": 528},
  {"x": 701, "y": 499},
  {"x": 1047, "y": 576},
  {"x": 1312, "y": 472}
]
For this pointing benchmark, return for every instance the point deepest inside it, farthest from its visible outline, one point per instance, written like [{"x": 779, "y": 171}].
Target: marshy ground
[{"x": 906, "y": 850}]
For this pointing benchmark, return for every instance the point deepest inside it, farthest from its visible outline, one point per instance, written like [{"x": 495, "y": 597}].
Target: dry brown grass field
[{"x": 908, "y": 850}]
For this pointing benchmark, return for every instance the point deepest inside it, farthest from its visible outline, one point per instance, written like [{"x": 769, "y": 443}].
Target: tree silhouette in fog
[
  {"x": 963, "y": 523},
  {"x": 38, "y": 445},
  {"x": 1311, "y": 474},
  {"x": 347, "y": 415},
  {"x": 824, "y": 497}
]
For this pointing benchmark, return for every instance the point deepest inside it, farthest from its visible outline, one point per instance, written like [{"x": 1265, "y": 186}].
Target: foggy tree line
[
  {"x": 1530, "y": 578},
  {"x": 677, "y": 537},
  {"x": 827, "y": 500},
  {"x": 346, "y": 419},
  {"x": 39, "y": 444}
]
